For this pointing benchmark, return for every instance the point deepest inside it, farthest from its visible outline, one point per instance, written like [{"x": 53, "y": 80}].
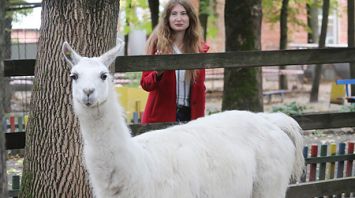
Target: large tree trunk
[
  {"x": 154, "y": 12},
  {"x": 283, "y": 40},
  {"x": 53, "y": 161},
  {"x": 351, "y": 38},
  {"x": 322, "y": 39},
  {"x": 3, "y": 175},
  {"x": 243, "y": 87}
]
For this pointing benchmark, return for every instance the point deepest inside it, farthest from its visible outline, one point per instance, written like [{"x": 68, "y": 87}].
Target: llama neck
[
  {"x": 109, "y": 150},
  {"x": 105, "y": 121}
]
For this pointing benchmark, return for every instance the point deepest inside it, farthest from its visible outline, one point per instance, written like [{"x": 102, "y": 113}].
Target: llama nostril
[{"x": 88, "y": 91}]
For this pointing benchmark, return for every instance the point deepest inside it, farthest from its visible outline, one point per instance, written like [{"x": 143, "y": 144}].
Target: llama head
[{"x": 90, "y": 76}]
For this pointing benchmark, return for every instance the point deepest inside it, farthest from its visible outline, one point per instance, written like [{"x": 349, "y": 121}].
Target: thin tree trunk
[
  {"x": 322, "y": 40},
  {"x": 243, "y": 87},
  {"x": 154, "y": 12},
  {"x": 3, "y": 175},
  {"x": 53, "y": 162},
  {"x": 283, "y": 40},
  {"x": 128, "y": 7},
  {"x": 203, "y": 16},
  {"x": 351, "y": 38},
  {"x": 312, "y": 22},
  {"x": 7, "y": 55}
]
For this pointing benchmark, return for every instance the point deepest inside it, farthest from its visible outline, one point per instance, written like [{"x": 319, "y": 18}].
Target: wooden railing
[
  {"x": 241, "y": 59},
  {"x": 16, "y": 140}
]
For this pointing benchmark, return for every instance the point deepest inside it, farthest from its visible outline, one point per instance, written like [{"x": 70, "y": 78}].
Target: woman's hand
[{"x": 159, "y": 74}]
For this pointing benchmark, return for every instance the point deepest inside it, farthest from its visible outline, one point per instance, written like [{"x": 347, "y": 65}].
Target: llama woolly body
[{"x": 229, "y": 154}]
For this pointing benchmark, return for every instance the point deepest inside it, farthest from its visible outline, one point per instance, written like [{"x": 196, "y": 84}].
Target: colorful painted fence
[
  {"x": 330, "y": 167},
  {"x": 15, "y": 122}
]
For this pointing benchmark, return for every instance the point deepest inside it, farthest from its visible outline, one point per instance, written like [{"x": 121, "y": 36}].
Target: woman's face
[{"x": 178, "y": 19}]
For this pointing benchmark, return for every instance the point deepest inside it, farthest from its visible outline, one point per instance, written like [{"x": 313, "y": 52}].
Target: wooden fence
[
  {"x": 329, "y": 172},
  {"x": 241, "y": 59}
]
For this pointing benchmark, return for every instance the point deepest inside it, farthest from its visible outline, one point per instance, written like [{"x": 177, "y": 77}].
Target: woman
[{"x": 175, "y": 95}]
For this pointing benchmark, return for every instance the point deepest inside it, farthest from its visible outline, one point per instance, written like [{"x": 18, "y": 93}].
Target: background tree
[
  {"x": 312, "y": 21},
  {"x": 285, "y": 12},
  {"x": 283, "y": 40},
  {"x": 154, "y": 12},
  {"x": 322, "y": 40},
  {"x": 53, "y": 161},
  {"x": 3, "y": 180},
  {"x": 203, "y": 16},
  {"x": 135, "y": 21},
  {"x": 351, "y": 38},
  {"x": 14, "y": 10},
  {"x": 208, "y": 18},
  {"x": 243, "y": 87}
]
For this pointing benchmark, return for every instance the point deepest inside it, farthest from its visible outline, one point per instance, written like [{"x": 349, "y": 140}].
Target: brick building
[{"x": 270, "y": 34}]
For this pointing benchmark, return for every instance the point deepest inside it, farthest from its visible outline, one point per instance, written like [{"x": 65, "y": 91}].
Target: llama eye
[
  {"x": 103, "y": 76},
  {"x": 74, "y": 76}
]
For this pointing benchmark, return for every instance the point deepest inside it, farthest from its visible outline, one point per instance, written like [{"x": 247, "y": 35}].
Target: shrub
[{"x": 290, "y": 109}]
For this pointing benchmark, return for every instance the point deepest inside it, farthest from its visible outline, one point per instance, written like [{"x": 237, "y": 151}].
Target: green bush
[
  {"x": 290, "y": 109},
  {"x": 348, "y": 108}
]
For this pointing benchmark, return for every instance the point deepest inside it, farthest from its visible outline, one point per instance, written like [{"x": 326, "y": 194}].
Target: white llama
[{"x": 225, "y": 155}]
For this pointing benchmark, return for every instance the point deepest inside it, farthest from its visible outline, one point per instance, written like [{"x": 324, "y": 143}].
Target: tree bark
[
  {"x": 154, "y": 12},
  {"x": 53, "y": 161},
  {"x": 322, "y": 40},
  {"x": 243, "y": 87},
  {"x": 283, "y": 40},
  {"x": 3, "y": 173}
]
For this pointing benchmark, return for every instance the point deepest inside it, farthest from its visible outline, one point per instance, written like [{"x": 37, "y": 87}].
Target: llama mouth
[{"x": 88, "y": 102}]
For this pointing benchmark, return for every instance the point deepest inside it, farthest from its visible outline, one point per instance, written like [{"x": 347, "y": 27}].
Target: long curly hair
[{"x": 163, "y": 37}]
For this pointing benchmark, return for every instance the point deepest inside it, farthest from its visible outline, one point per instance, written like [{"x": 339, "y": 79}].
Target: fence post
[
  {"x": 349, "y": 163},
  {"x": 332, "y": 152},
  {"x": 322, "y": 166},
  {"x": 305, "y": 155},
  {"x": 313, "y": 167},
  {"x": 16, "y": 184},
  {"x": 340, "y": 172}
]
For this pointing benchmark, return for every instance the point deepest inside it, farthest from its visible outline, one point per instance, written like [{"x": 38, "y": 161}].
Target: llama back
[
  {"x": 295, "y": 133},
  {"x": 219, "y": 146}
]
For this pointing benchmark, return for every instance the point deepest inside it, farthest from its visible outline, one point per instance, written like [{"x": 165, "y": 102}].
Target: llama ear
[
  {"x": 70, "y": 55},
  {"x": 108, "y": 57}
]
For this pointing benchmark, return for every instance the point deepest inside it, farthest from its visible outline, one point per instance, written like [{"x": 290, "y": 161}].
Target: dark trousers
[{"x": 183, "y": 113}]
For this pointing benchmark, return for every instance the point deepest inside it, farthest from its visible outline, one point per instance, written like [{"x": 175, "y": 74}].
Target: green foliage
[
  {"x": 317, "y": 133},
  {"x": 212, "y": 111},
  {"x": 348, "y": 108},
  {"x": 212, "y": 29},
  {"x": 208, "y": 7},
  {"x": 296, "y": 8},
  {"x": 290, "y": 109},
  {"x": 135, "y": 15}
]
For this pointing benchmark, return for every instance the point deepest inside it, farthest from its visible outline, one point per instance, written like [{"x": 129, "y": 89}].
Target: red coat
[{"x": 161, "y": 103}]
